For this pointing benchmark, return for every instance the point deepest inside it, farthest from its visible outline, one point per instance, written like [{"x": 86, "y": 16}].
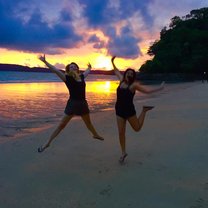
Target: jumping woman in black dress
[
  {"x": 125, "y": 110},
  {"x": 77, "y": 104}
]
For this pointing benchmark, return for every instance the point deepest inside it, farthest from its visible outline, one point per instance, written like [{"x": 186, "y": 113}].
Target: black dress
[
  {"x": 77, "y": 103},
  {"x": 124, "y": 104}
]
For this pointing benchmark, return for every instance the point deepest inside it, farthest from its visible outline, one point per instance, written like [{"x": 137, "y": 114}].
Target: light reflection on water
[
  {"x": 31, "y": 100},
  {"x": 28, "y": 106},
  {"x": 23, "y": 104}
]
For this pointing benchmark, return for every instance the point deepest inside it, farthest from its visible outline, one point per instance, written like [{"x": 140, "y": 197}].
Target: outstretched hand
[
  {"x": 42, "y": 58},
  {"x": 112, "y": 59},
  {"x": 89, "y": 66}
]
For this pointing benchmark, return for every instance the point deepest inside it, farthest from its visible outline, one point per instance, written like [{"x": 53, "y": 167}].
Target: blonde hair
[
  {"x": 72, "y": 63},
  {"x": 71, "y": 73}
]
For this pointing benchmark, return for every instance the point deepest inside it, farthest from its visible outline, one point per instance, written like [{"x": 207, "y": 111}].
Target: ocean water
[
  {"x": 31, "y": 100},
  {"x": 25, "y": 77}
]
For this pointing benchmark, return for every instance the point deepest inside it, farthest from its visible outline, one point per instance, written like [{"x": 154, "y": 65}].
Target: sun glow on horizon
[
  {"x": 103, "y": 62},
  {"x": 99, "y": 61},
  {"x": 102, "y": 86}
]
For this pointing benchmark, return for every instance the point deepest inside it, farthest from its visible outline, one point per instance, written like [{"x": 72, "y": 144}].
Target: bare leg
[
  {"x": 121, "y": 123},
  {"x": 88, "y": 123},
  {"x": 64, "y": 121},
  {"x": 137, "y": 123}
]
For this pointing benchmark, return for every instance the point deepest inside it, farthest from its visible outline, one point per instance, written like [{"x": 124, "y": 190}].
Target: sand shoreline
[{"x": 166, "y": 166}]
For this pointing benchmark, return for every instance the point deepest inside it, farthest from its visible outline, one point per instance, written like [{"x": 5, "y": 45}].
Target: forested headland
[{"x": 182, "y": 48}]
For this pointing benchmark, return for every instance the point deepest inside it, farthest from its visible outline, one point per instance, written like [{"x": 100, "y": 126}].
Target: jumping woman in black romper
[
  {"x": 125, "y": 110},
  {"x": 77, "y": 104}
]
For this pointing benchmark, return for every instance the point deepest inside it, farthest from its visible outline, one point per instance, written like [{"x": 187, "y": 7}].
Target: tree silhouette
[{"x": 183, "y": 47}]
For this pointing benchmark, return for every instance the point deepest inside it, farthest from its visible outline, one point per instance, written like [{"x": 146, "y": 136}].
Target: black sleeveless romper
[
  {"x": 77, "y": 103},
  {"x": 124, "y": 105}
]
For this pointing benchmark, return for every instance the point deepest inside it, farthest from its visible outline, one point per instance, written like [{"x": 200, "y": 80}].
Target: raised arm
[
  {"x": 87, "y": 71},
  {"x": 60, "y": 74},
  {"x": 138, "y": 87},
  {"x": 116, "y": 71}
]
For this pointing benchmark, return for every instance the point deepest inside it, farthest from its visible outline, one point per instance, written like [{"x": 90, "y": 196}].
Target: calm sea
[{"x": 31, "y": 101}]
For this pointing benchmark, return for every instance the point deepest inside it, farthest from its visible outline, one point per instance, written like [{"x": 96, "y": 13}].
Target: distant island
[
  {"x": 142, "y": 76},
  {"x": 20, "y": 68}
]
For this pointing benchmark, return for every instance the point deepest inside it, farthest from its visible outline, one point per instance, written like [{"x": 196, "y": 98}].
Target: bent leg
[
  {"x": 88, "y": 123},
  {"x": 137, "y": 123},
  {"x": 59, "y": 128}
]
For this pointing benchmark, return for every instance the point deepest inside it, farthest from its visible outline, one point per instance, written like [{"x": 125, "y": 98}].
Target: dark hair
[
  {"x": 67, "y": 67},
  {"x": 133, "y": 78}
]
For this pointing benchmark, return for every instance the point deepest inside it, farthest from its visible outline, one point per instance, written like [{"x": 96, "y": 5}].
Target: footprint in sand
[
  {"x": 106, "y": 170},
  {"x": 200, "y": 203},
  {"x": 107, "y": 191},
  {"x": 206, "y": 186},
  {"x": 140, "y": 163}
]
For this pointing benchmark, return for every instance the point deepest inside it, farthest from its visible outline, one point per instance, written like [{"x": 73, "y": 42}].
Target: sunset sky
[{"x": 85, "y": 30}]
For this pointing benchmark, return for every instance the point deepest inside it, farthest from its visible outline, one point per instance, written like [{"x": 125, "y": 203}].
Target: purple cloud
[
  {"x": 50, "y": 26},
  {"x": 105, "y": 16},
  {"x": 35, "y": 34},
  {"x": 124, "y": 45},
  {"x": 98, "y": 44}
]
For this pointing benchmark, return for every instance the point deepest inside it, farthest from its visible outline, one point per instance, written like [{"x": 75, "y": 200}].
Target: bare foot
[
  {"x": 147, "y": 108},
  {"x": 98, "y": 137},
  {"x": 122, "y": 158},
  {"x": 42, "y": 148}
]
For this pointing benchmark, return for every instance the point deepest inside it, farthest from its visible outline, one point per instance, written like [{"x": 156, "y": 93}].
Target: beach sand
[{"x": 166, "y": 167}]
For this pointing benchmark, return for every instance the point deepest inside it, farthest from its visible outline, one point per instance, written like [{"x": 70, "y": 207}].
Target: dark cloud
[
  {"x": 100, "y": 13},
  {"x": 98, "y": 44},
  {"x": 35, "y": 34},
  {"x": 26, "y": 25},
  {"x": 123, "y": 45},
  {"x": 95, "y": 12},
  {"x": 103, "y": 16},
  {"x": 26, "y": 28},
  {"x": 65, "y": 16},
  {"x": 130, "y": 7},
  {"x": 93, "y": 38}
]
